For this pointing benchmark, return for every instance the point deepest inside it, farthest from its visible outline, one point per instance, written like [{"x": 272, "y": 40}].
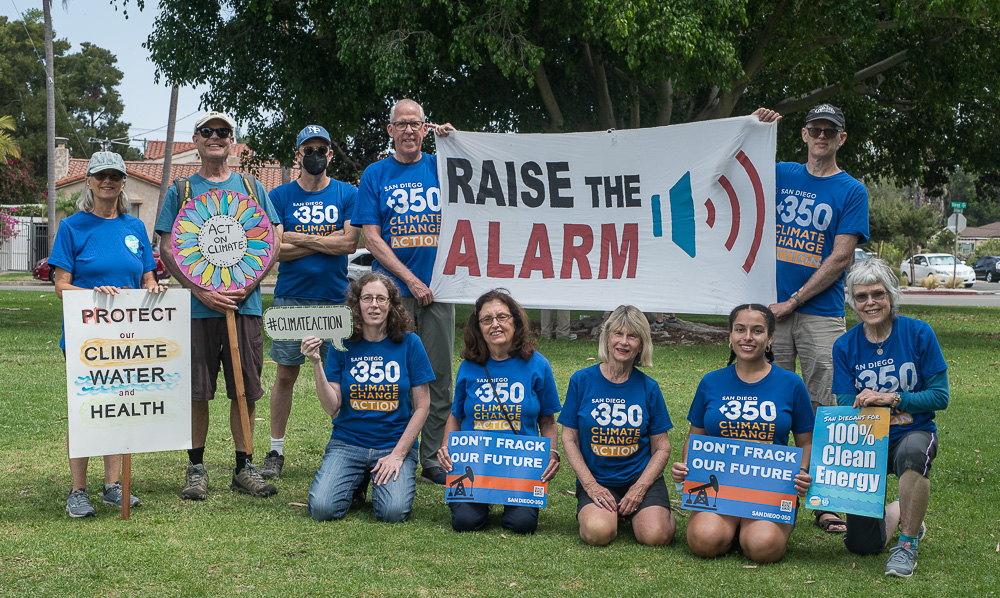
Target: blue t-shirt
[
  {"x": 615, "y": 422},
  {"x": 102, "y": 252},
  {"x": 527, "y": 391},
  {"x": 764, "y": 411},
  {"x": 909, "y": 357},
  {"x": 165, "y": 223},
  {"x": 811, "y": 212},
  {"x": 318, "y": 276},
  {"x": 405, "y": 201},
  {"x": 375, "y": 381}
]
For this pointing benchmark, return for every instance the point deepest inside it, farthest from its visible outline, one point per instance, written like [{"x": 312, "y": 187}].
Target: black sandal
[{"x": 825, "y": 524}]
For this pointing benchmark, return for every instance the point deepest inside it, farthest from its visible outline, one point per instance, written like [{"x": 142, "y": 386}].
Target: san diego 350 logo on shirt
[
  {"x": 316, "y": 218},
  {"x": 417, "y": 222},
  {"x": 618, "y": 427},
  {"x": 489, "y": 412},
  {"x": 376, "y": 388},
  {"x": 748, "y": 418}
]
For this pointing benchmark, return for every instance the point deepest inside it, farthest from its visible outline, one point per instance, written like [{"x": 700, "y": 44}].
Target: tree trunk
[
  {"x": 50, "y": 116},
  {"x": 168, "y": 152}
]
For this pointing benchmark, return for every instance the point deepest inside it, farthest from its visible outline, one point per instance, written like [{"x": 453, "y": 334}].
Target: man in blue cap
[{"x": 315, "y": 213}]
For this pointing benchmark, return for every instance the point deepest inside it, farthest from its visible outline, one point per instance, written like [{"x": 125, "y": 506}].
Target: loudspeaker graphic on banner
[
  {"x": 700, "y": 493},
  {"x": 682, "y": 224},
  {"x": 457, "y": 488}
]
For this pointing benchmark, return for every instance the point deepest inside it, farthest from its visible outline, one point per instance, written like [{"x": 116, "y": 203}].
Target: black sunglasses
[
  {"x": 814, "y": 132},
  {"x": 104, "y": 174},
  {"x": 308, "y": 150},
  {"x": 222, "y": 132}
]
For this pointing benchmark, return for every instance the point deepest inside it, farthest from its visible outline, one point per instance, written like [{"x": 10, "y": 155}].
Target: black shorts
[
  {"x": 210, "y": 349},
  {"x": 915, "y": 450},
  {"x": 656, "y": 496}
]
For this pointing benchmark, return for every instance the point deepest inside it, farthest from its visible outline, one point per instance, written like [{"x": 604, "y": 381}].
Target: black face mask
[{"x": 314, "y": 164}]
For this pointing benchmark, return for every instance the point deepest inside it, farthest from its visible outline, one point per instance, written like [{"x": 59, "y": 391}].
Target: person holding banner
[
  {"x": 504, "y": 386},
  {"x": 214, "y": 136},
  {"x": 892, "y": 361},
  {"x": 377, "y": 393},
  {"x": 615, "y": 425},
  {"x": 748, "y": 400},
  {"x": 104, "y": 248},
  {"x": 399, "y": 210}
]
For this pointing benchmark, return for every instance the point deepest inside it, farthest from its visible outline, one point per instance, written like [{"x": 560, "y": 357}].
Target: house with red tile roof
[{"x": 143, "y": 184}]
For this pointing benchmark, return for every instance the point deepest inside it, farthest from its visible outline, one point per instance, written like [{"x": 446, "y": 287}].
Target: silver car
[{"x": 941, "y": 265}]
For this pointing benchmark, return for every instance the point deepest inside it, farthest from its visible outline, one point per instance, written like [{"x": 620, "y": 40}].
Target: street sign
[
  {"x": 958, "y": 205},
  {"x": 956, "y": 222}
]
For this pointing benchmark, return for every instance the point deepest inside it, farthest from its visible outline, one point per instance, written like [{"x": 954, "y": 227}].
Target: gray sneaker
[
  {"x": 113, "y": 496},
  {"x": 249, "y": 481},
  {"x": 902, "y": 560},
  {"x": 273, "y": 463},
  {"x": 78, "y": 504},
  {"x": 195, "y": 482}
]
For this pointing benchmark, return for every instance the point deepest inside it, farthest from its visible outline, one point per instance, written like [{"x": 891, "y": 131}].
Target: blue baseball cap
[
  {"x": 310, "y": 132},
  {"x": 105, "y": 161}
]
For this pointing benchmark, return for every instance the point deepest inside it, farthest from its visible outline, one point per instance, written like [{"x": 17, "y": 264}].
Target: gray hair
[
  {"x": 86, "y": 201},
  {"x": 392, "y": 111},
  {"x": 873, "y": 271},
  {"x": 629, "y": 319}
]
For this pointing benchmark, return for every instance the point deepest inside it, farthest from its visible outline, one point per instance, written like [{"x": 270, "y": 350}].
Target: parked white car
[
  {"x": 359, "y": 263},
  {"x": 940, "y": 264}
]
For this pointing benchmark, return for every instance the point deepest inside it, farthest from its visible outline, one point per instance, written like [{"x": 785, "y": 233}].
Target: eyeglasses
[
  {"x": 501, "y": 318},
  {"x": 222, "y": 132},
  {"x": 117, "y": 177},
  {"x": 308, "y": 150},
  {"x": 379, "y": 299},
  {"x": 875, "y": 296},
  {"x": 815, "y": 132},
  {"x": 402, "y": 125}
]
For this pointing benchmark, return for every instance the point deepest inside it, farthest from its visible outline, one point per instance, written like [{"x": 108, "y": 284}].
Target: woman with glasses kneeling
[
  {"x": 504, "y": 386},
  {"x": 892, "y": 361},
  {"x": 376, "y": 391},
  {"x": 615, "y": 425},
  {"x": 780, "y": 405}
]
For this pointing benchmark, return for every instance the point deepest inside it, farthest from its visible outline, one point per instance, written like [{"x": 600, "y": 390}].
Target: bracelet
[
  {"x": 558, "y": 456},
  {"x": 805, "y": 469}
]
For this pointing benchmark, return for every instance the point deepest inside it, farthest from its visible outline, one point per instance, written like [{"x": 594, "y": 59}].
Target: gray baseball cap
[{"x": 105, "y": 161}]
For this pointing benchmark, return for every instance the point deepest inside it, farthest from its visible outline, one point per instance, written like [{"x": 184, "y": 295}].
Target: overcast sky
[{"x": 147, "y": 104}]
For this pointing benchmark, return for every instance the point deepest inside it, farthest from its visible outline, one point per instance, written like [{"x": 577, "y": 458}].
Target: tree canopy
[
  {"x": 916, "y": 78},
  {"x": 88, "y": 103}
]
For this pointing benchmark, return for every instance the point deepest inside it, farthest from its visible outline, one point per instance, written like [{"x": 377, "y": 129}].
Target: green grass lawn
[{"x": 236, "y": 545}]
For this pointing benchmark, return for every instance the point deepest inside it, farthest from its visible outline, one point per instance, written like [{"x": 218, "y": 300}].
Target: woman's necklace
[{"x": 878, "y": 350}]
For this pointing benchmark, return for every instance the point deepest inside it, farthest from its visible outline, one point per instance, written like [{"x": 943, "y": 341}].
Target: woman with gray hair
[
  {"x": 615, "y": 425},
  {"x": 103, "y": 248},
  {"x": 896, "y": 362}
]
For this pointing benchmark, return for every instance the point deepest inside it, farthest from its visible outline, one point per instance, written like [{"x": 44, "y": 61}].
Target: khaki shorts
[
  {"x": 810, "y": 338},
  {"x": 210, "y": 349}
]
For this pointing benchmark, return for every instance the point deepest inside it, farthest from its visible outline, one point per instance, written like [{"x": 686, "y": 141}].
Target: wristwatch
[
  {"x": 895, "y": 400},
  {"x": 795, "y": 296}
]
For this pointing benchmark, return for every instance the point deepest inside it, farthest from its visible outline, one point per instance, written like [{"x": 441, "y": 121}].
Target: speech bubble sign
[
  {"x": 222, "y": 240},
  {"x": 327, "y": 322}
]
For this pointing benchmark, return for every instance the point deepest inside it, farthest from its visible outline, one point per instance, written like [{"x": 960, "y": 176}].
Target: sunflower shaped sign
[{"x": 223, "y": 240}]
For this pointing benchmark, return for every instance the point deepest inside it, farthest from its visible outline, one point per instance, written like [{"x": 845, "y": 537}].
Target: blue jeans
[{"x": 340, "y": 473}]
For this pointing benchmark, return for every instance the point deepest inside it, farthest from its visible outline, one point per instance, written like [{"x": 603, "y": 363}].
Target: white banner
[
  {"x": 128, "y": 371},
  {"x": 673, "y": 219}
]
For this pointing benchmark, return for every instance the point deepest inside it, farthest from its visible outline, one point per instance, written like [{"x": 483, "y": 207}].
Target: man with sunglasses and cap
[
  {"x": 315, "y": 212},
  {"x": 214, "y": 138},
  {"x": 399, "y": 208},
  {"x": 822, "y": 216}
]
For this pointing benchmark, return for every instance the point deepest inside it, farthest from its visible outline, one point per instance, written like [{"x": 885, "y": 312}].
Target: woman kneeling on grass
[
  {"x": 378, "y": 436},
  {"x": 911, "y": 380},
  {"x": 782, "y": 396},
  {"x": 606, "y": 403},
  {"x": 501, "y": 368}
]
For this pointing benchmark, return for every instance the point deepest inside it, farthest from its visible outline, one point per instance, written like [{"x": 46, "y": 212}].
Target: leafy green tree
[
  {"x": 87, "y": 100},
  {"x": 909, "y": 73},
  {"x": 916, "y": 225},
  {"x": 8, "y": 146}
]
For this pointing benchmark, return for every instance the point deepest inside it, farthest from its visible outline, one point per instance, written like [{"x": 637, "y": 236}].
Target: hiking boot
[
  {"x": 195, "y": 482},
  {"x": 433, "y": 475},
  {"x": 656, "y": 325},
  {"x": 249, "y": 481},
  {"x": 273, "y": 462},
  {"x": 902, "y": 560},
  {"x": 78, "y": 504},
  {"x": 113, "y": 496}
]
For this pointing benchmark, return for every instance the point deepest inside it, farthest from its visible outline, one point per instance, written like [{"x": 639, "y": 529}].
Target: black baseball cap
[{"x": 827, "y": 112}]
